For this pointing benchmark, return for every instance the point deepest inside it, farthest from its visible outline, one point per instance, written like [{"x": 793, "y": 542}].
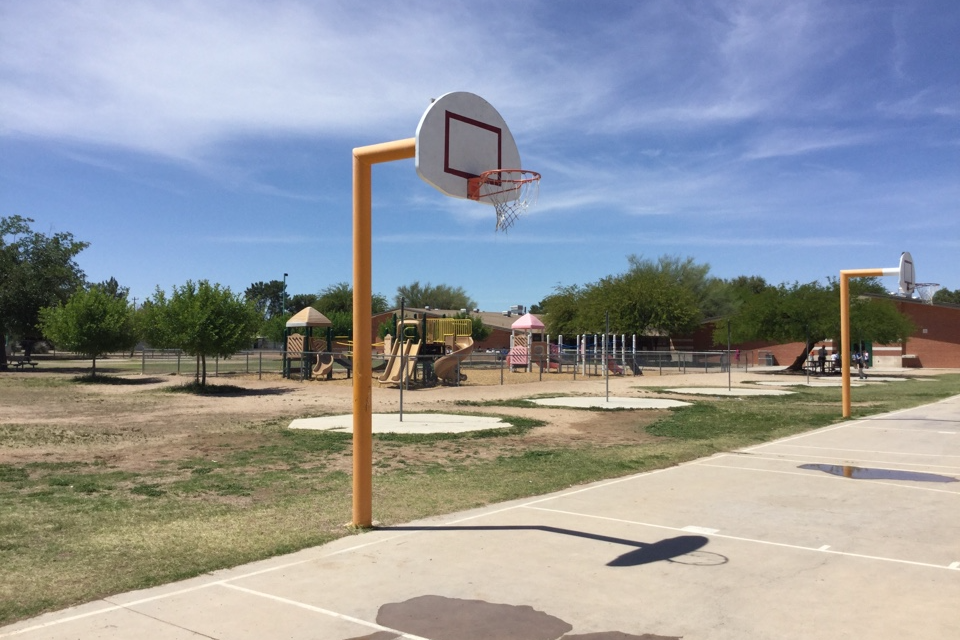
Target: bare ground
[{"x": 134, "y": 426}]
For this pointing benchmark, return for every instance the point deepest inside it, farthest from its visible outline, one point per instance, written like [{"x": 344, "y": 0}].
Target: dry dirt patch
[{"x": 136, "y": 426}]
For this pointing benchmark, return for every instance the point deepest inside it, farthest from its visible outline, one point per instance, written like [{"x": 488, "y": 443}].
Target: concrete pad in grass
[
  {"x": 584, "y": 402},
  {"x": 412, "y": 423},
  {"x": 734, "y": 392}
]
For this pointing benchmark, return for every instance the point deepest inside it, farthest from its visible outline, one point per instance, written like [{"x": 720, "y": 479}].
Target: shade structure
[
  {"x": 527, "y": 322},
  {"x": 309, "y": 317}
]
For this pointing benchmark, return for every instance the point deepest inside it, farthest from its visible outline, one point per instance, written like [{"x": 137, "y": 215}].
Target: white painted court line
[
  {"x": 875, "y": 451},
  {"x": 805, "y": 434},
  {"x": 827, "y": 476},
  {"x": 326, "y": 612},
  {"x": 894, "y": 465},
  {"x": 841, "y": 425},
  {"x": 695, "y": 529},
  {"x": 904, "y": 429},
  {"x": 754, "y": 540}
]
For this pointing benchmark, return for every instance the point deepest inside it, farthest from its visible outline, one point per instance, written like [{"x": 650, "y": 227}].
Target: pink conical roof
[{"x": 527, "y": 321}]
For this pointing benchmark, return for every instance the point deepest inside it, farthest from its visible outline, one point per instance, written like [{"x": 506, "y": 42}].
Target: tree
[
  {"x": 93, "y": 322},
  {"x": 302, "y": 301},
  {"x": 713, "y": 296},
  {"x": 202, "y": 320},
  {"x": 441, "y": 296},
  {"x": 36, "y": 271},
  {"x": 945, "y": 296},
  {"x": 267, "y": 297},
  {"x": 339, "y": 297},
  {"x": 645, "y": 298},
  {"x": 810, "y": 313},
  {"x": 113, "y": 288},
  {"x": 561, "y": 309}
]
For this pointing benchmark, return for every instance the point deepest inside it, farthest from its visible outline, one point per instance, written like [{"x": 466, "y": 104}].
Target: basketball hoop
[
  {"x": 510, "y": 191},
  {"x": 926, "y": 290}
]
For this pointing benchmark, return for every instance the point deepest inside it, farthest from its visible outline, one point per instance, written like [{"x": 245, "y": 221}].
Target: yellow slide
[
  {"x": 324, "y": 364},
  {"x": 446, "y": 367},
  {"x": 401, "y": 352},
  {"x": 393, "y": 361}
]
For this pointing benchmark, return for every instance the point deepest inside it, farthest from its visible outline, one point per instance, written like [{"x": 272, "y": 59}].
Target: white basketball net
[
  {"x": 927, "y": 290},
  {"x": 511, "y": 191}
]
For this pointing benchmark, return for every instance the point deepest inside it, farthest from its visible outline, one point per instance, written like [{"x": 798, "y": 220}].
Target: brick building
[{"x": 935, "y": 343}]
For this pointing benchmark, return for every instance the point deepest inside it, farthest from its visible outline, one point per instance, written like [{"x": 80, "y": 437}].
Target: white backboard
[
  {"x": 908, "y": 278},
  {"x": 460, "y": 136}
]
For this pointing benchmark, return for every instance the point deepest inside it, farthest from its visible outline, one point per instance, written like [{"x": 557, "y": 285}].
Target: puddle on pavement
[
  {"x": 441, "y": 618},
  {"x": 865, "y": 473}
]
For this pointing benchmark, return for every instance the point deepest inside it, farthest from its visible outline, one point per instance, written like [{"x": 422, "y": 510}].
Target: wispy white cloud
[{"x": 787, "y": 141}]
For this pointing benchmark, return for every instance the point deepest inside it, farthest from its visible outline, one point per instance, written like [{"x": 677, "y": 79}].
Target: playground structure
[
  {"x": 428, "y": 351},
  {"x": 312, "y": 356}
]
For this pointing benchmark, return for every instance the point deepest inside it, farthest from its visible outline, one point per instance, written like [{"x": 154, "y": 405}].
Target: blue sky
[{"x": 212, "y": 139}]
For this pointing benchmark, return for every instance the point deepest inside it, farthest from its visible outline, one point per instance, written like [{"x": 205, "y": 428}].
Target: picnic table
[
  {"x": 20, "y": 363},
  {"x": 830, "y": 366}
]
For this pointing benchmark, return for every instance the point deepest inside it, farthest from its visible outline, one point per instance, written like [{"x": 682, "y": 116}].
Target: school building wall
[{"x": 934, "y": 344}]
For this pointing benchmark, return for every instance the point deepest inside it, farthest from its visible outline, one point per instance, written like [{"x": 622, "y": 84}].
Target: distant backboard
[
  {"x": 908, "y": 278},
  {"x": 459, "y": 137}
]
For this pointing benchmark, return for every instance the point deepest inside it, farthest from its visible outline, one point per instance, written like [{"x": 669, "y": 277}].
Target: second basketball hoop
[{"x": 511, "y": 191}]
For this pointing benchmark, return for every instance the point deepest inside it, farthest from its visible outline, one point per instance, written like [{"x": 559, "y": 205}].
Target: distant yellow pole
[
  {"x": 363, "y": 158},
  {"x": 845, "y": 276}
]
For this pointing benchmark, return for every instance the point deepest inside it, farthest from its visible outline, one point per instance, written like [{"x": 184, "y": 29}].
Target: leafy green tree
[
  {"x": 267, "y": 297},
  {"x": 644, "y": 298},
  {"x": 339, "y": 297},
  {"x": 561, "y": 310},
  {"x": 946, "y": 296},
  {"x": 302, "y": 301},
  {"x": 441, "y": 296},
  {"x": 36, "y": 271},
  {"x": 201, "y": 319},
  {"x": 713, "y": 296},
  {"x": 274, "y": 329},
  {"x": 93, "y": 322},
  {"x": 810, "y": 313},
  {"x": 336, "y": 297}
]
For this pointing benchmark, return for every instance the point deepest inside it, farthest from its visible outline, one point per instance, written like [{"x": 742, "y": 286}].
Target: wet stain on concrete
[
  {"x": 862, "y": 473},
  {"x": 441, "y": 618}
]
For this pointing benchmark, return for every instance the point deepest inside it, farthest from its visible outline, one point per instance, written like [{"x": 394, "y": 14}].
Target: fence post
[
  {"x": 178, "y": 363},
  {"x": 143, "y": 362},
  {"x": 260, "y": 367}
]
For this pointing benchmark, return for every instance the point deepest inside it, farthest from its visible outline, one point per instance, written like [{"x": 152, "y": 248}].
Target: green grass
[{"x": 75, "y": 530}]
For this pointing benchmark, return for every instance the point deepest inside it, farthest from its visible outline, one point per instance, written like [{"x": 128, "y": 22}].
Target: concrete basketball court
[{"x": 772, "y": 541}]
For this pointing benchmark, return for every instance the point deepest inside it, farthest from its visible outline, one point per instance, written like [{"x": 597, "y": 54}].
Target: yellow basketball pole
[
  {"x": 845, "y": 276},
  {"x": 363, "y": 158}
]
